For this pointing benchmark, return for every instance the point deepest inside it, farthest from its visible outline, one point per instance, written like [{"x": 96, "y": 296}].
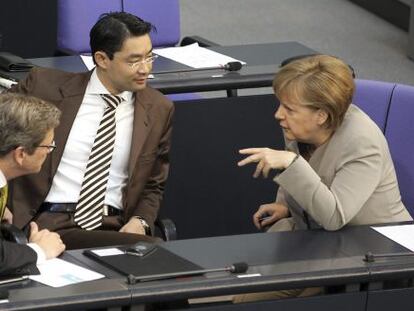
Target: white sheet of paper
[
  {"x": 195, "y": 56},
  {"x": 57, "y": 272},
  {"x": 108, "y": 252},
  {"x": 402, "y": 234}
]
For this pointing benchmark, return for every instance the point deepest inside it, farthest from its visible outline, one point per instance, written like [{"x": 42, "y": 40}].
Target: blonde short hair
[
  {"x": 25, "y": 121},
  {"x": 318, "y": 82}
]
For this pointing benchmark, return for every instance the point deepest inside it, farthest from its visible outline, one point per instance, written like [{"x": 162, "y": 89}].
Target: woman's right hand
[{"x": 268, "y": 214}]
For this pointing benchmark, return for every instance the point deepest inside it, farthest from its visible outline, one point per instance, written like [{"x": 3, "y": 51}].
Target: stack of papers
[
  {"x": 402, "y": 234},
  {"x": 57, "y": 272},
  {"x": 195, "y": 56}
]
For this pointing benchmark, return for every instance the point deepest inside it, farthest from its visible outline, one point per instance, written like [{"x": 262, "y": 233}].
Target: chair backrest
[
  {"x": 76, "y": 18},
  {"x": 165, "y": 15},
  {"x": 400, "y": 136},
  {"x": 374, "y": 98}
]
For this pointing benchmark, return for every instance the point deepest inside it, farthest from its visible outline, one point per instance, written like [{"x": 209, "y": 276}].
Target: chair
[
  {"x": 374, "y": 98},
  {"x": 399, "y": 132},
  {"x": 391, "y": 106},
  {"x": 76, "y": 18},
  {"x": 165, "y": 15}
]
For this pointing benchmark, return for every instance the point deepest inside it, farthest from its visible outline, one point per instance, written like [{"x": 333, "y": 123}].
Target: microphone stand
[
  {"x": 230, "y": 66},
  {"x": 235, "y": 268}
]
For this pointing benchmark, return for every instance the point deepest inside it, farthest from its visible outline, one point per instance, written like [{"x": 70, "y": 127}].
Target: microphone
[
  {"x": 239, "y": 267},
  {"x": 230, "y": 66}
]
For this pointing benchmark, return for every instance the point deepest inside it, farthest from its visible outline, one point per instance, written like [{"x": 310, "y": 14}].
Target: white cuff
[{"x": 41, "y": 256}]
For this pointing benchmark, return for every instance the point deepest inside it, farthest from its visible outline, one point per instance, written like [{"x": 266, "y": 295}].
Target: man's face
[
  {"x": 128, "y": 70},
  {"x": 32, "y": 163}
]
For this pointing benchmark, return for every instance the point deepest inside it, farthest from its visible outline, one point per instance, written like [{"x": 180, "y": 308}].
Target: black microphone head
[
  {"x": 233, "y": 66},
  {"x": 239, "y": 267}
]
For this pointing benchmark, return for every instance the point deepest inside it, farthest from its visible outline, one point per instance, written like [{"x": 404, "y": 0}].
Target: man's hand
[
  {"x": 8, "y": 216},
  {"x": 133, "y": 226},
  {"x": 49, "y": 242},
  {"x": 268, "y": 214},
  {"x": 266, "y": 159}
]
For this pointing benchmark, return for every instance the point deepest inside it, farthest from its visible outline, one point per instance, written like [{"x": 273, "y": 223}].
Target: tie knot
[{"x": 112, "y": 100}]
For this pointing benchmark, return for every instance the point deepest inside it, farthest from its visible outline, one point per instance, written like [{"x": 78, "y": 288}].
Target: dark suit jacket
[
  {"x": 148, "y": 162},
  {"x": 16, "y": 259}
]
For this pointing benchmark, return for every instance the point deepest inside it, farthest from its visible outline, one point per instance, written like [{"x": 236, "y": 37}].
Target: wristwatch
[{"x": 144, "y": 223}]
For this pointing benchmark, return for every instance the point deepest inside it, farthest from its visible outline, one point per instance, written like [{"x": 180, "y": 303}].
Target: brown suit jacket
[{"x": 148, "y": 162}]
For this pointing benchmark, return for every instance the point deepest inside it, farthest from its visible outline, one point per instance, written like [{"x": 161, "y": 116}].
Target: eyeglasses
[
  {"x": 146, "y": 61},
  {"x": 50, "y": 147}
]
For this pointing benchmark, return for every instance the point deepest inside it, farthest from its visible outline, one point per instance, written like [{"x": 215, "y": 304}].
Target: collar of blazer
[{"x": 72, "y": 92}]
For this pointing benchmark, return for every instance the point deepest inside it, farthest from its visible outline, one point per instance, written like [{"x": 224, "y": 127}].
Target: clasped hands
[{"x": 266, "y": 159}]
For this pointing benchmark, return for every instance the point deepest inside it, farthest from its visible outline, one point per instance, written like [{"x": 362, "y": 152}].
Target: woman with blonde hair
[{"x": 337, "y": 169}]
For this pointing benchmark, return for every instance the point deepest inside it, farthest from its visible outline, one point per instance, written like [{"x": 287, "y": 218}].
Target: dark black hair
[{"x": 112, "y": 29}]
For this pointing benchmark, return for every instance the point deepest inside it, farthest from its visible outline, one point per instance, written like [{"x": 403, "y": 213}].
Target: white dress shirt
[{"x": 68, "y": 180}]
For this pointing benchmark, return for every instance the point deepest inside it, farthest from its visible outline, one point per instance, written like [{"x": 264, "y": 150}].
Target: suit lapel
[
  {"x": 72, "y": 93},
  {"x": 140, "y": 130}
]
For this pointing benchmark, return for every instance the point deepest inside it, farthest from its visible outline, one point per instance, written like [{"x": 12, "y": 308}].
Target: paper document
[
  {"x": 402, "y": 234},
  {"x": 57, "y": 272},
  {"x": 195, "y": 56}
]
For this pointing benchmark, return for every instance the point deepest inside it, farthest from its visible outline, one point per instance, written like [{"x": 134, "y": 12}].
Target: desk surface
[
  {"x": 285, "y": 260},
  {"x": 262, "y": 60}
]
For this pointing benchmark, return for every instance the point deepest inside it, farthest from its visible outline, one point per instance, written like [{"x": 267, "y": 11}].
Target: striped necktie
[
  {"x": 89, "y": 209},
  {"x": 3, "y": 200}
]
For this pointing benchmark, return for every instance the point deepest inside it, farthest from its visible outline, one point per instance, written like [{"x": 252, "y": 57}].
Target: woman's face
[{"x": 300, "y": 122}]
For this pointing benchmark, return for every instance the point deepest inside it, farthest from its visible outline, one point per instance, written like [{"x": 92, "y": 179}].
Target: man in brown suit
[{"x": 133, "y": 184}]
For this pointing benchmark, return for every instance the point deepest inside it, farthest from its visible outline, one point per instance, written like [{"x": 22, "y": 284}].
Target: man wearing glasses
[
  {"x": 26, "y": 138},
  {"x": 104, "y": 183}
]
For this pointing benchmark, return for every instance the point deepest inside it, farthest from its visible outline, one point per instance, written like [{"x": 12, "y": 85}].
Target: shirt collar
[
  {"x": 3, "y": 180},
  {"x": 95, "y": 87}
]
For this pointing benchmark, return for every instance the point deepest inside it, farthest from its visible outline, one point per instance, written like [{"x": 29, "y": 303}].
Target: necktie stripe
[
  {"x": 99, "y": 157},
  {"x": 89, "y": 207},
  {"x": 97, "y": 164},
  {"x": 106, "y": 144},
  {"x": 88, "y": 214},
  {"x": 91, "y": 190},
  {"x": 91, "y": 213},
  {"x": 96, "y": 183}
]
